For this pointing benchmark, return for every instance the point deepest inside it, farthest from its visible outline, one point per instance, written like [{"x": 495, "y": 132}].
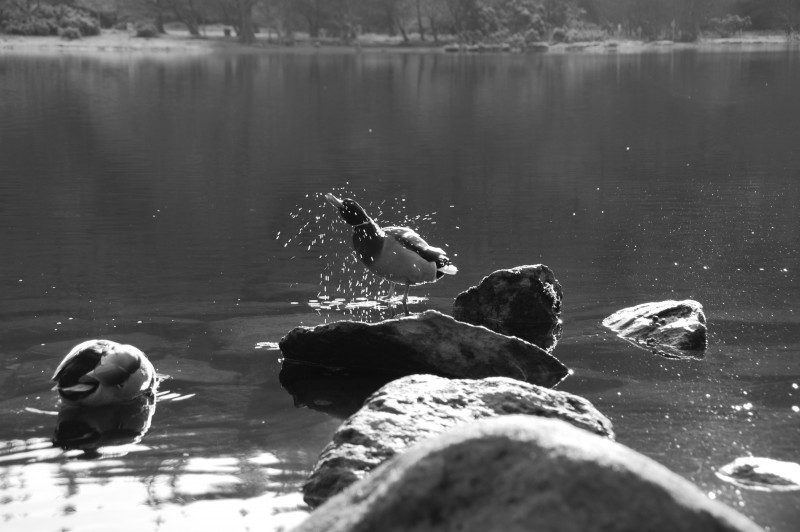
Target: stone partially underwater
[
  {"x": 426, "y": 343},
  {"x": 522, "y": 473},
  {"x": 448, "y": 423},
  {"x": 673, "y": 329},
  {"x": 414, "y": 408},
  {"x": 524, "y": 301},
  {"x": 761, "y": 474}
]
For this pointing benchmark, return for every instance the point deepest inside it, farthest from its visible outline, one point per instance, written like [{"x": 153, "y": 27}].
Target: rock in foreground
[
  {"x": 523, "y": 473},
  {"x": 414, "y": 408},
  {"x": 427, "y": 343},
  {"x": 524, "y": 302},
  {"x": 675, "y": 329}
]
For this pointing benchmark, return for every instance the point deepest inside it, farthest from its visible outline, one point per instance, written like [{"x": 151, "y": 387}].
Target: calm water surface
[{"x": 175, "y": 203}]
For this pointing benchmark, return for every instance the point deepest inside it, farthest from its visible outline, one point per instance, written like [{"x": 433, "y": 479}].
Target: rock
[
  {"x": 427, "y": 343},
  {"x": 674, "y": 329},
  {"x": 524, "y": 302},
  {"x": 523, "y": 473},
  {"x": 418, "y": 407},
  {"x": 762, "y": 474}
]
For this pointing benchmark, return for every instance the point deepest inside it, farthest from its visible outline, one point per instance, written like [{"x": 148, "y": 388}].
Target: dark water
[{"x": 175, "y": 203}]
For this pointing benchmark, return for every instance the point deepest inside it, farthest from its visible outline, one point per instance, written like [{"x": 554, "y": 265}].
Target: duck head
[{"x": 349, "y": 209}]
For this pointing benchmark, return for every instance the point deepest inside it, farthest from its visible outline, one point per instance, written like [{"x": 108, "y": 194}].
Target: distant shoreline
[{"x": 120, "y": 41}]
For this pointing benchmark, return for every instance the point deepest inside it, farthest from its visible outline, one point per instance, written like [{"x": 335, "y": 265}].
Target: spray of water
[{"x": 345, "y": 285}]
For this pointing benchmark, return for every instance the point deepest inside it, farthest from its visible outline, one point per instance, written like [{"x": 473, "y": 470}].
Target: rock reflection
[
  {"x": 95, "y": 431},
  {"x": 337, "y": 392}
]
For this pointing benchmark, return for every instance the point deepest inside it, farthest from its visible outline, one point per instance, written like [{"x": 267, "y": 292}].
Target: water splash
[{"x": 345, "y": 284}]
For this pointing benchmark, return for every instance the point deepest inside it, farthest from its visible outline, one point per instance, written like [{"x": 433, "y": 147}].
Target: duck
[
  {"x": 102, "y": 372},
  {"x": 397, "y": 254}
]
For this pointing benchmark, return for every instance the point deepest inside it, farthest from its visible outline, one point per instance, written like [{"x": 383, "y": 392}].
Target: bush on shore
[
  {"x": 729, "y": 25},
  {"x": 146, "y": 30},
  {"x": 47, "y": 19}
]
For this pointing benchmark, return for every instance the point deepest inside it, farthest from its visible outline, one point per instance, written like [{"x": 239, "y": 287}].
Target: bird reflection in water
[{"x": 110, "y": 430}]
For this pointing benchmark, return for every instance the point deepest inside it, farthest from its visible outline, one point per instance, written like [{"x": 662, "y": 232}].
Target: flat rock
[
  {"x": 761, "y": 474},
  {"x": 675, "y": 329},
  {"x": 414, "y": 408},
  {"x": 524, "y": 302},
  {"x": 523, "y": 473},
  {"x": 427, "y": 343}
]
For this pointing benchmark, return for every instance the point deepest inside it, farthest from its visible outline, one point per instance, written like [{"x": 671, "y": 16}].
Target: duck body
[
  {"x": 102, "y": 372},
  {"x": 397, "y": 254}
]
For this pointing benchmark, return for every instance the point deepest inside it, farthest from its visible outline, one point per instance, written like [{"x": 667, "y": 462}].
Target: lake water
[{"x": 175, "y": 203}]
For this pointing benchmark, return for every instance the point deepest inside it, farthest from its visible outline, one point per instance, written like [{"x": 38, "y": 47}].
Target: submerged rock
[
  {"x": 675, "y": 329},
  {"x": 524, "y": 302},
  {"x": 523, "y": 473},
  {"x": 414, "y": 408},
  {"x": 761, "y": 474},
  {"x": 430, "y": 342}
]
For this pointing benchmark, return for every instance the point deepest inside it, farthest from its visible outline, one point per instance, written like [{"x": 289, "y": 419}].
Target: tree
[
  {"x": 239, "y": 14},
  {"x": 437, "y": 15},
  {"x": 315, "y": 13},
  {"x": 771, "y": 14}
]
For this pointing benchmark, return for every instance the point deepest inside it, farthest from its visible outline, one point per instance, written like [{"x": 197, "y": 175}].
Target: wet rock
[
  {"x": 675, "y": 329},
  {"x": 427, "y": 343},
  {"x": 524, "y": 302},
  {"x": 762, "y": 474},
  {"x": 420, "y": 406},
  {"x": 523, "y": 473}
]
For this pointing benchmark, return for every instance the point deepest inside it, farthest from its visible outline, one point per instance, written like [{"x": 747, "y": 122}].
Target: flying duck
[
  {"x": 398, "y": 254},
  {"x": 102, "y": 372}
]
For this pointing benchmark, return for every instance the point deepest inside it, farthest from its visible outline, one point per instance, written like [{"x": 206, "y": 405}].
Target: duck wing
[
  {"x": 81, "y": 360},
  {"x": 116, "y": 367},
  {"x": 411, "y": 240},
  {"x": 96, "y": 361}
]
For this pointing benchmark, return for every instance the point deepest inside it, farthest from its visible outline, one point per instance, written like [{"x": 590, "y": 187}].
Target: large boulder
[
  {"x": 674, "y": 329},
  {"x": 430, "y": 343},
  {"x": 420, "y": 406},
  {"x": 524, "y": 302},
  {"x": 523, "y": 473}
]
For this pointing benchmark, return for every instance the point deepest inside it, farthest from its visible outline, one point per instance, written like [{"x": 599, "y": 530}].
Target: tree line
[{"x": 429, "y": 20}]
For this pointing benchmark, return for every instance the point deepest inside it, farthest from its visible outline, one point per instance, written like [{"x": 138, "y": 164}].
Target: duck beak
[{"x": 333, "y": 200}]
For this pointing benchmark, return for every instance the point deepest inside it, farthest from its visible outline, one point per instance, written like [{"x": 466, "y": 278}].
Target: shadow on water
[
  {"x": 666, "y": 351},
  {"x": 337, "y": 392}
]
